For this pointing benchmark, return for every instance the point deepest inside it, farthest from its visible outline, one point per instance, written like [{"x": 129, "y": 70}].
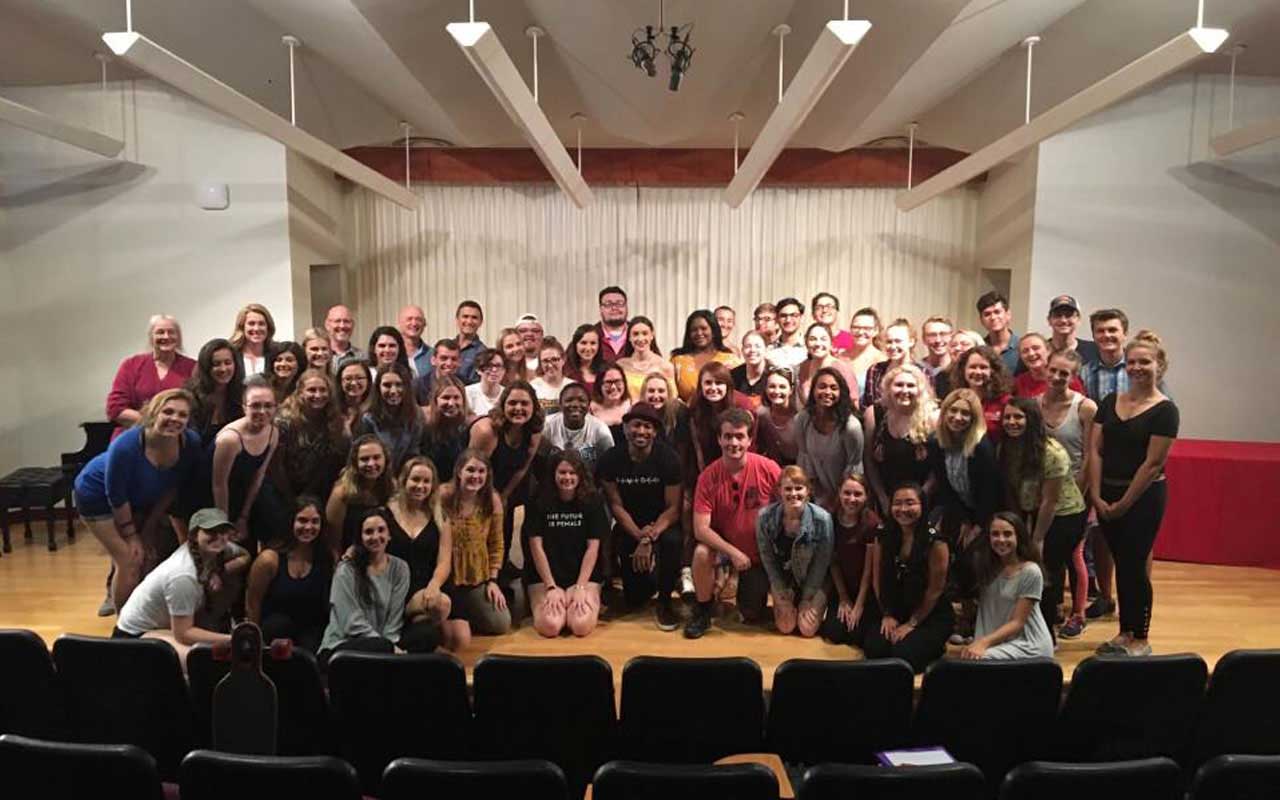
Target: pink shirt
[
  {"x": 137, "y": 382},
  {"x": 841, "y": 341}
]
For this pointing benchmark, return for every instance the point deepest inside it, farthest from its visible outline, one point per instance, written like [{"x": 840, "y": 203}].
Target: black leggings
[
  {"x": 1065, "y": 532},
  {"x": 638, "y": 587},
  {"x": 922, "y": 647},
  {"x": 1131, "y": 539},
  {"x": 834, "y": 631}
]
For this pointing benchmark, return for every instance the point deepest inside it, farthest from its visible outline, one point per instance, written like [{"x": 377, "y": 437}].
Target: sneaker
[
  {"x": 1100, "y": 608},
  {"x": 666, "y": 616},
  {"x": 959, "y": 640},
  {"x": 108, "y": 607},
  {"x": 1073, "y": 628},
  {"x": 698, "y": 623},
  {"x": 686, "y": 584},
  {"x": 1137, "y": 650}
]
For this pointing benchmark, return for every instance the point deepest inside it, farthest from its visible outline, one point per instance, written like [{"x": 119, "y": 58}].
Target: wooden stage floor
[{"x": 1203, "y": 609}]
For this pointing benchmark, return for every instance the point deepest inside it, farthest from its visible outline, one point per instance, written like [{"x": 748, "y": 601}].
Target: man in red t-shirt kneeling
[{"x": 730, "y": 493}]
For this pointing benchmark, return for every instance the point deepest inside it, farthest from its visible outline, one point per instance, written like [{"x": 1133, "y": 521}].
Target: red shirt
[
  {"x": 1026, "y": 385},
  {"x": 733, "y": 501},
  {"x": 137, "y": 381},
  {"x": 992, "y": 412}
]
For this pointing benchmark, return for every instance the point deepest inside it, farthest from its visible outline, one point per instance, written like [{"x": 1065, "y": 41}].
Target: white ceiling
[{"x": 953, "y": 65}]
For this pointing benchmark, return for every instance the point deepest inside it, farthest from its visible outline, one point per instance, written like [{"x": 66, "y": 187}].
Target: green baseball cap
[{"x": 209, "y": 519}]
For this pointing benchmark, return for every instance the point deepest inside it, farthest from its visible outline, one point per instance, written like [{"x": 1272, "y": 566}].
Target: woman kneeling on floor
[
  {"x": 795, "y": 541},
  {"x": 201, "y": 578},
  {"x": 564, "y": 531}
]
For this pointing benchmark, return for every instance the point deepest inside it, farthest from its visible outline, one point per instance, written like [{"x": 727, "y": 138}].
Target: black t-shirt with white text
[
  {"x": 641, "y": 487},
  {"x": 565, "y": 528}
]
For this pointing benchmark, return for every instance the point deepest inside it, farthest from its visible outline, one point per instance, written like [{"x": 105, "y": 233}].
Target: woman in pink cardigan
[{"x": 142, "y": 376}]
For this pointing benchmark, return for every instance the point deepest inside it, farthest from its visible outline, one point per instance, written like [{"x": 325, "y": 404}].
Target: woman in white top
[
  {"x": 551, "y": 380},
  {"x": 483, "y": 395},
  {"x": 575, "y": 429},
  {"x": 254, "y": 337},
  {"x": 1010, "y": 625},
  {"x": 208, "y": 567}
]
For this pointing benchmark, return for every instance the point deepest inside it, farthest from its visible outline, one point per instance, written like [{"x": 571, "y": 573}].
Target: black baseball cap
[{"x": 1064, "y": 301}]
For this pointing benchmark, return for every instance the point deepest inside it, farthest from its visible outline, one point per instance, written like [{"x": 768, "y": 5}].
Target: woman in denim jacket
[{"x": 795, "y": 540}]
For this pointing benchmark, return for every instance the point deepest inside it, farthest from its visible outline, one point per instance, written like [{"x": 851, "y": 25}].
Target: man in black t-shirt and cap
[{"x": 642, "y": 484}]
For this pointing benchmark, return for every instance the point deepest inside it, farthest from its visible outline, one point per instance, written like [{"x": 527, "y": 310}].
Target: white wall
[
  {"x": 317, "y": 220},
  {"x": 1133, "y": 211},
  {"x": 91, "y": 247},
  {"x": 1006, "y": 228}
]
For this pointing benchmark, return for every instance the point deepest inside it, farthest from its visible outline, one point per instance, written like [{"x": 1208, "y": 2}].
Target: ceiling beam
[
  {"x": 490, "y": 59},
  {"x": 1246, "y": 137},
  {"x": 153, "y": 59},
  {"x": 54, "y": 128},
  {"x": 834, "y": 46},
  {"x": 1171, "y": 56}
]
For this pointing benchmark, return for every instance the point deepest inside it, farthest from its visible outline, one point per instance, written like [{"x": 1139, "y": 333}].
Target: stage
[{"x": 1208, "y": 610}]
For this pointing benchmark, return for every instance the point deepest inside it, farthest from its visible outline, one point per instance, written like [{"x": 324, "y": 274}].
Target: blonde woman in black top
[{"x": 1132, "y": 435}]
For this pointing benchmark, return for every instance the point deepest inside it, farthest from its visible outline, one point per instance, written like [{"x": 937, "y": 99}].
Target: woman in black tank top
[{"x": 288, "y": 591}]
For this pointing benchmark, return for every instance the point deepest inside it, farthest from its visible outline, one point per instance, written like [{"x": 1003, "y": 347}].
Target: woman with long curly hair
[
  {"x": 1040, "y": 486},
  {"x": 982, "y": 370},
  {"x": 365, "y": 482},
  {"x": 898, "y": 431},
  {"x": 828, "y": 434}
]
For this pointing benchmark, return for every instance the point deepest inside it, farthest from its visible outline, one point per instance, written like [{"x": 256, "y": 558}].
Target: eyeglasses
[
  {"x": 613, "y": 304},
  {"x": 261, "y": 406},
  {"x": 826, "y": 307},
  {"x": 488, "y": 367}
]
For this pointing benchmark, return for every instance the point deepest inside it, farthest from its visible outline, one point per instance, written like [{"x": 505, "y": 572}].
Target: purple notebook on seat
[{"x": 915, "y": 757}]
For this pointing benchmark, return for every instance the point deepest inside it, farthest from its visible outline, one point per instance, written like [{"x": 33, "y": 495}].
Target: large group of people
[{"x": 885, "y": 486}]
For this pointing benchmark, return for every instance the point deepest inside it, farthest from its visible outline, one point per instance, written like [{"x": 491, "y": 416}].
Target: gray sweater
[
  {"x": 351, "y": 619},
  {"x": 825, "y": 457}
]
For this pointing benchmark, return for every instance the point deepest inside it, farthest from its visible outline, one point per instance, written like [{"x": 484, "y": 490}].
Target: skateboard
[{"x": 244, "y": 702}]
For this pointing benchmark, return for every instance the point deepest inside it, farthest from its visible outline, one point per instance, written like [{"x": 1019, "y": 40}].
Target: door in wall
[{"x": 326, "y": 291}]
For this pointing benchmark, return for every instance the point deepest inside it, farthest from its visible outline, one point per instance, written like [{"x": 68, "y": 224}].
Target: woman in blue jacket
[{"x": 795, "y": 540}]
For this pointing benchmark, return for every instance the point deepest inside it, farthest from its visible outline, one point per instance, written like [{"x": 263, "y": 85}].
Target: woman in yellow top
[
  {"x": 1039, "y": 485},
  {"x": 469, "y": 512},
  {"x": 645, "y": 357},
  {"x": 703, "y": 343}
]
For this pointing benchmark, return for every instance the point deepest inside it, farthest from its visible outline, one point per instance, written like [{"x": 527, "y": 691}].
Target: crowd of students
[{"x": 833, "y": 482}]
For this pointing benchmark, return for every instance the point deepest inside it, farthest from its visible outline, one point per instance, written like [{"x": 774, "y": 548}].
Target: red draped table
[{"x": 1222, "y": 507}]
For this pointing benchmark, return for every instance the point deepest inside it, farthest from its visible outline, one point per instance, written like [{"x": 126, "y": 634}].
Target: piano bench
[{"x": 31, "y": 488}]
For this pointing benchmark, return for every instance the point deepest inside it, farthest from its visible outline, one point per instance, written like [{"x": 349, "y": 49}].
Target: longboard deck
[{"x": 244, "y": 702}]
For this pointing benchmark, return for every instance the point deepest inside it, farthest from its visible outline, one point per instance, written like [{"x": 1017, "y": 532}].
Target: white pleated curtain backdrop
[{"x": 526, "y": 248}]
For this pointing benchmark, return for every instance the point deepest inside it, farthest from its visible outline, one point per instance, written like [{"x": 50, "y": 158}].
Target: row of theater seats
[
  {"x": 693, "y": 711},
  {"x": 60, "y": 771}
]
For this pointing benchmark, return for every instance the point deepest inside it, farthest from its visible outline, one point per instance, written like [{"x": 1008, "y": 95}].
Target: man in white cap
[{"x": 530, "y": 329}]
